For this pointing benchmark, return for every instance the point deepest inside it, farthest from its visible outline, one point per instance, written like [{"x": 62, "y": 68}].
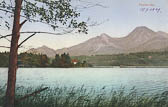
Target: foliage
[
  {"x": 62, "y": 61},
  {"x": 51, "y": 12},
  {"x": 40, "y": 60},
  {"x": 84, "y": 97},
  {"x": 55, "y": 13},
  {"x": 33, "y": 60},
  {"x": 65, "y": 61},
  {"x": 4, "y": 58}
]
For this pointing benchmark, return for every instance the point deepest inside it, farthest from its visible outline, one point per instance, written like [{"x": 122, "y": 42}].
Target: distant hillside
[
  {"x": 152, "y": 59},
  {"x": 139, "y": 40},
  {"x": 43, "y": 50}
]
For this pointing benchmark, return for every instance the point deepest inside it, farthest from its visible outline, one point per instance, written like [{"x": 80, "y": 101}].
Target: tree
[
  {"x": 65, "y": 60},
  {"x": 4, "y": 59},
  {"x": 68, "y": 60},
  {"x": 57, "y": 61},
  {"x": 55, "y": 13},
  {"x": 44, "y": 61}
]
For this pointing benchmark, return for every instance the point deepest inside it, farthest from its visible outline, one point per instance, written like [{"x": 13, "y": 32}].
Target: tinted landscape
[{"x": 83, "y": 53}]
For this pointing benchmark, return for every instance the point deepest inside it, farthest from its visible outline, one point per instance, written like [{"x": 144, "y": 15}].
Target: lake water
[{"x": 147, "y": 80}]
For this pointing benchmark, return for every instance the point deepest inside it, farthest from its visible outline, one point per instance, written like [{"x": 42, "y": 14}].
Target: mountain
[
  {"x": 148, "y": 40},
  {"x": 139, "y": 40},
  {"x": 99, "y": 45},
  {"x": 43, "y": 50},
  {"x": 138, "y": 36}
]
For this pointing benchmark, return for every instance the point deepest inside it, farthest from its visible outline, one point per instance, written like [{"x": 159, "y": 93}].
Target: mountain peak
[
  {"x": 44, "y": 46},
  {"x": 142, "y": 32},
  {"x": 142, "y": 28},
  {"x": 104, "y": 38},
  {"x": 104, "y": 35},
  {"x": 42, "y": 50}
]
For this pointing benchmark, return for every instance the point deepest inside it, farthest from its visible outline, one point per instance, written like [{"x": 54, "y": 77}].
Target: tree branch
[
  {"x": 5, "y": 38},
  {"x": 97, "y": 24},
  {"x": 25, "y": 17},
  {"x": 34, "y": 32},
  {"x": 89, "y": 5},
  {"x": 62, "y": 33},
  {"x": 26, "y": 39},
  {"x": 4, "y": 47},
  {"x": 23, "y": 23},
  {"x": 27, "y": 32},
  {"x": 66, "y": 32},
  {"x": 6, "y": 11},
  {"x": 32, "y": 94}
]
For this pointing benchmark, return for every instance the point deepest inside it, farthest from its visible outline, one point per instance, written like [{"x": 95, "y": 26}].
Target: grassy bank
[
  {"x": 132, "y": 59},
  {"x": 82, "y": 97}
]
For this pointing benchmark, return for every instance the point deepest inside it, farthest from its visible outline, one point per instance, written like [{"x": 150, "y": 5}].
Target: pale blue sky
[{"x": 120, "y": 17}]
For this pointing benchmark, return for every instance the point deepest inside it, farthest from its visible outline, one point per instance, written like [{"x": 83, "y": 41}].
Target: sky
[{"x": 117, "y": 18}]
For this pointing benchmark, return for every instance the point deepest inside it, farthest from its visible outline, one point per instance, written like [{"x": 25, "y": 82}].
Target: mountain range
[{"x": 139, "y": 40}]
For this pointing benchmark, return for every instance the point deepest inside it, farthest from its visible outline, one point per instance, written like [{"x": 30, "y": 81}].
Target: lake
[{"x": 146, "y": 80}]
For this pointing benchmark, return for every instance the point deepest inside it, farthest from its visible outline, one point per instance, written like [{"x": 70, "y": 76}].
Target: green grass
[
  {"x": 132, "y": 59},
  {"x": 82, "y": 97}
]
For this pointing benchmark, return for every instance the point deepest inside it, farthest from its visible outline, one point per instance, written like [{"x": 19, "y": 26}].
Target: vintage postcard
[{"x": 83, "y": 53}]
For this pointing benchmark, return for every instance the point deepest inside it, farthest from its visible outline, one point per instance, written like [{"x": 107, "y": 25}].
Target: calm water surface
[{"x": 148, "y": 80}]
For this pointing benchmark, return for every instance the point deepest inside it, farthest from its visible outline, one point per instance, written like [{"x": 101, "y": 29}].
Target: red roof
[{"x": 74, "y": 60}]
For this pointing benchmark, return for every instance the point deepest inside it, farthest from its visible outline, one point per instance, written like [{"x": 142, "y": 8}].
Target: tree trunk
[{"x": 10, "y": 92}]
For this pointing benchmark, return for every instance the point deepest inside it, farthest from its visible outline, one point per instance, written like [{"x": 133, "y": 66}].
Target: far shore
[
  {"x": 130, "y": 67},
  {"x": 103, "y": 67}
]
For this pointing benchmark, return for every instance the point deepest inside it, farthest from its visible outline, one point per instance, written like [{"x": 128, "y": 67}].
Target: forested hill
[
  {"x": 41, "y": 60},
  {"x": 66, "y": 61}
]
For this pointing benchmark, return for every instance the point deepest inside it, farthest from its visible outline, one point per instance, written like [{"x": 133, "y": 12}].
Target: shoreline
[
  {"x": 129, "y": 67},
  {"x": 103, "y": 67}
]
